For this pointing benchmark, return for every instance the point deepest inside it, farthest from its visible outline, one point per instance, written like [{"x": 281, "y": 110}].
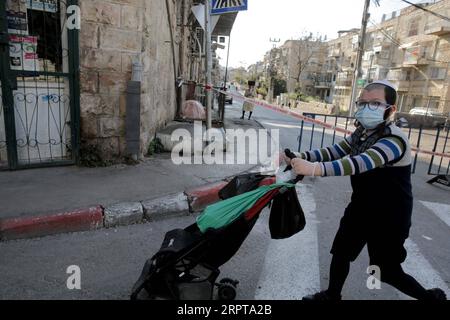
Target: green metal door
[{"x": 39, "y": 111}]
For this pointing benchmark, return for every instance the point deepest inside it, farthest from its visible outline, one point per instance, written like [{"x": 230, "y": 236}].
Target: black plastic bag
[
  {"x": 286, "y": 215},
  {"x": 241, "y": 184}
]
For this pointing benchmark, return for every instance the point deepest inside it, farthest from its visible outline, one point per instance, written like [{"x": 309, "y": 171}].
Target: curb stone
[{"x": 98, "y": 217}]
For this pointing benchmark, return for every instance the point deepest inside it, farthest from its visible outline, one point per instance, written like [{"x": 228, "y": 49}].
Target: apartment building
[
  {"x": 340, "y": 65},
  {"x": 408, "y": 47}
]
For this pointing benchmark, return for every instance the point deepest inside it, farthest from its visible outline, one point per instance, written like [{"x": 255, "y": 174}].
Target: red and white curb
[{"x": 122, "y": 214}]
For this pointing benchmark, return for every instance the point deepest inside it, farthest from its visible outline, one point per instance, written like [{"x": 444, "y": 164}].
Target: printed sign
[
  {"x": 23, "y": 53},
  {"x": 224, "y": 6},
  {"x": 17, "y": 22},
  {"x": 43, "y": 5}
]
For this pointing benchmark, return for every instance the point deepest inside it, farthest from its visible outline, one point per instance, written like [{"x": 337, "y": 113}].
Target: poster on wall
[
  {"x": 16, "y": 5},
  {"x": 17, "y": 22},
  {"x": 23, "y": 53},
  {"x": 43, "y": 5}
]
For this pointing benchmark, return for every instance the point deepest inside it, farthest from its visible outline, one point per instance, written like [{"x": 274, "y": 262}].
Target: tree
[
  {"x": 304, "y": 51},
  {"x": 279, "y": 86}
]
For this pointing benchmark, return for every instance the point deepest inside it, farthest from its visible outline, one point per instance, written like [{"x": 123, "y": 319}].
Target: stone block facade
[{"x": 113, "y": 34}]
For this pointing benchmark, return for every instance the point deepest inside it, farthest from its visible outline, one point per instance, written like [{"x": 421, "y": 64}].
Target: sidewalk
[{"x": 64, "y": 199}]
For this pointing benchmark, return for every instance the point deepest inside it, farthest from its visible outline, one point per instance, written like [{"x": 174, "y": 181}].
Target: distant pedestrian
[{"x": 248, "y": 106}]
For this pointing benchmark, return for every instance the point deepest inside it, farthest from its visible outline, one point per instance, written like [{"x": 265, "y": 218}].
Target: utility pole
[
  {"x": 208, "y": 57},
  {"x": 228, "y": 56},
  {"x": 362, "y": 39},
  {"x": 271, "y": 89}
]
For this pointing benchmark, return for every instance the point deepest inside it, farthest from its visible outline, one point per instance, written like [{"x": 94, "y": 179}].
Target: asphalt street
[{"x": 111, "y": 260}]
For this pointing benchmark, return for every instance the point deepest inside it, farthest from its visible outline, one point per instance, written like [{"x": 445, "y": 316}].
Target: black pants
[{"x": 385, "y": 243}]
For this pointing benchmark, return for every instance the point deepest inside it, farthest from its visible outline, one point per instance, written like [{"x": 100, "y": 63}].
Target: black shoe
[
  {"x": 322, "y": 296},
  {"x": 242, "y": 117},
  {"x": 436, "y": 294}
]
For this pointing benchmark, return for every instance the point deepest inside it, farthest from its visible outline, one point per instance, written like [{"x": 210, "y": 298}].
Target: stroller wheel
[
  {"x": 227, "y": 292},
  {"x": 230, "y": 281},
  {"x": 227, "y": 289}
]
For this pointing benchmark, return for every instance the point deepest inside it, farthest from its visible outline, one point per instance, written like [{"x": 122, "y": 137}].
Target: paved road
[{"x": 111, "y": 260}]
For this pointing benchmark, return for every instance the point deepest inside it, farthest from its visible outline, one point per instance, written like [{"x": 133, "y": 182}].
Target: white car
[{"x": 426, "y": 112}]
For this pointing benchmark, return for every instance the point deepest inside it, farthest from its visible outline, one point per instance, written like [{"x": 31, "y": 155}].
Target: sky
[{"x": 289, "y": 19}]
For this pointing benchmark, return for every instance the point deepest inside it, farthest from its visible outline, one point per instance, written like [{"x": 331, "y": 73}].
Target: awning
[
  {"x": 225, "y": 24},
  {"x": 408, "y": 45}
]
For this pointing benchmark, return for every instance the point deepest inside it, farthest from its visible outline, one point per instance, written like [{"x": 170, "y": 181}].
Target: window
[
  {"x": 394, "y": 75},
  {"x": 434, "y": 103},
  {"x": 413, "y": 27},
  {"x": 383, "y": 73},
  {"x": 408, "y": 75},
  {"x": 417, "y": 102}
]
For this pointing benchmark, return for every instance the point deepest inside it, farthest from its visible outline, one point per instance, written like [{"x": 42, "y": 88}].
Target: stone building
[
  {"x": 113, "y": 35},
  {"x": 410, "y": 48},
  {"x": 71, "y": 62},
  {"x": 340, "y": 62},
  {"x": 302, "y": 64}
]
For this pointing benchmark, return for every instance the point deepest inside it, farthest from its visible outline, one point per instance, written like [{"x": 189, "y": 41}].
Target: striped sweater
[{"x": 337, "y": 161}]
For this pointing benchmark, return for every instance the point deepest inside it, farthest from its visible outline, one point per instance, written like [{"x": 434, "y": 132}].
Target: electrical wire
[
  {"x": 396, "y": 42},
  {"x": 426, "y": 10}
]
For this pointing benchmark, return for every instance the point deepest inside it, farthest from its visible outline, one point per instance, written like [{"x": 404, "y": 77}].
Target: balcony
[
  {"x": 415, "y": 63},
  {"x": 437, "y": 30},
  {"x": 343, "y": 84},
  {"x": 322, "y": 85},
  {"x": 402, "y": 85},
  {"x": 334, "y": 53},
  {"x": 384, "y": 43},
  {"x": 415, "y": 56}
]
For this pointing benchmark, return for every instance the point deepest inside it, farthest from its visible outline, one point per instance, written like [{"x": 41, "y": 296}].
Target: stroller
[{"x": 187, "y": 265}]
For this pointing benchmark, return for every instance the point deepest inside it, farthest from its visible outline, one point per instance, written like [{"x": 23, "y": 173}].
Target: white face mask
[{"x": 370, "y": 119}]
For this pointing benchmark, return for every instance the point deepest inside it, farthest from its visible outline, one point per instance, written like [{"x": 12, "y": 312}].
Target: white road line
[
  {"x": 420, "y": 268},
  {"x": 291, "y": 267},
  {"x": 440, "y": 209}
]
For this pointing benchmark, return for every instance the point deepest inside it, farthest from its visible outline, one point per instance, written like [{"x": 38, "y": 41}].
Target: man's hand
[
  {"x": 306, "y": 168},
  {"x": 284, "y": 159}
]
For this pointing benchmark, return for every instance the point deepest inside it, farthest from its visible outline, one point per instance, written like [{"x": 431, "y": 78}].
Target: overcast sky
[{"x": 288, "y": 19}]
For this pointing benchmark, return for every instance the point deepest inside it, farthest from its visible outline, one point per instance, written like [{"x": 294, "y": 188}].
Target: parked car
[{"x": 426, "y": 112}]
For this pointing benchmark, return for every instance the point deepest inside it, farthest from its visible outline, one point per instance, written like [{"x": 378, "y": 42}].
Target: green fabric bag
[{"x": 222, "y": 213}]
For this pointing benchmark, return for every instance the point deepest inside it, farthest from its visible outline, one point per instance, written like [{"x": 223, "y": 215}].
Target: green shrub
[{"x": 155, "y": 147}]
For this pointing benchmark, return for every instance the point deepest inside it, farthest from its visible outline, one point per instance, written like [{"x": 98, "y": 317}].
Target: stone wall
[{"x": 113, "y": 34}]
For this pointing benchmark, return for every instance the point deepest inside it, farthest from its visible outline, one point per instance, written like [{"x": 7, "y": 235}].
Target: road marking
[
  {"x": 291, "y": 267},
  {"x": 440, "y": 209},
  {"x": 280, "y": 125},
  {"x": 420, "y": 268},
  {"x": 427, "y": 238}
]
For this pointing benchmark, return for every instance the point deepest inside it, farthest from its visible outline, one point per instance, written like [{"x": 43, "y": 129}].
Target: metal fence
[{"x": 435, "y": 140}]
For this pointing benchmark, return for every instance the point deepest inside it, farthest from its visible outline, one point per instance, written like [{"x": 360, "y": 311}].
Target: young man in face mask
[{"x": 377, "y": 156}]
